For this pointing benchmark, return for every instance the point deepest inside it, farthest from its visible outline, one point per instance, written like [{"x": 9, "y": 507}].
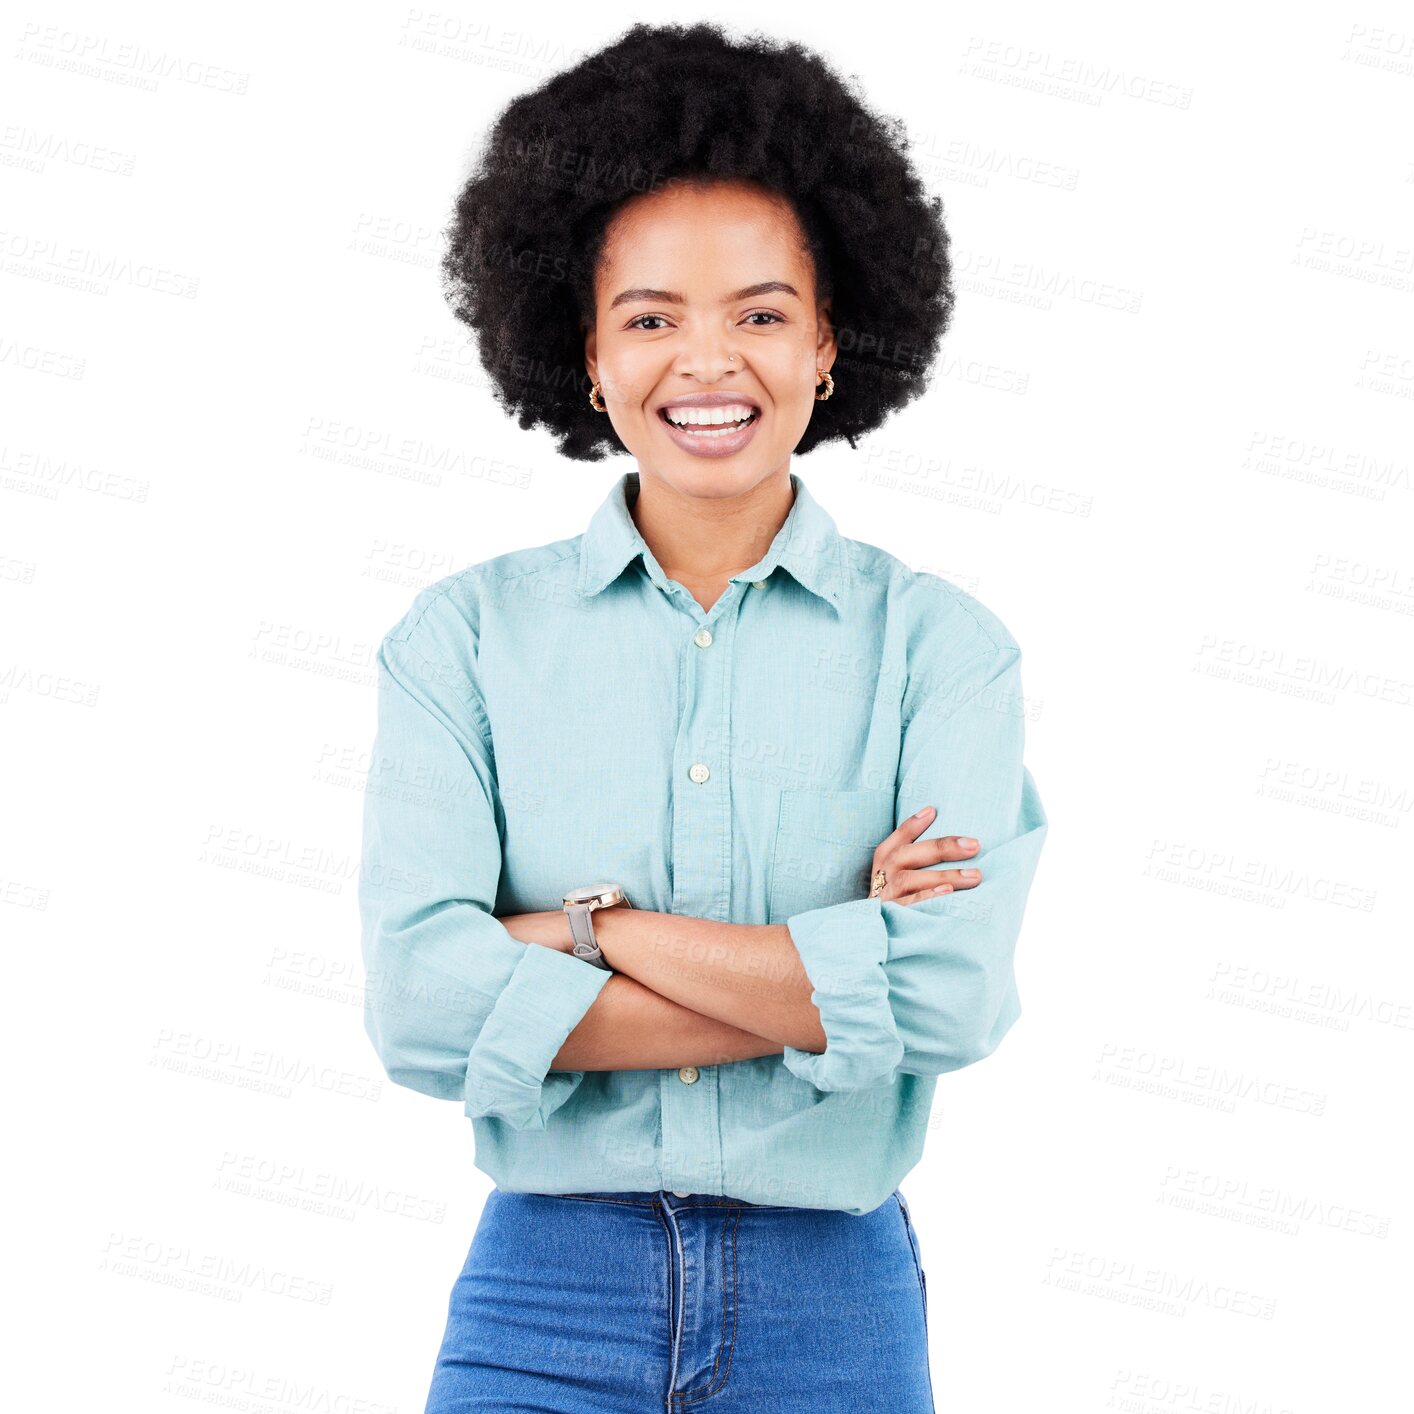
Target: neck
[{"x": 703, "y": 538}]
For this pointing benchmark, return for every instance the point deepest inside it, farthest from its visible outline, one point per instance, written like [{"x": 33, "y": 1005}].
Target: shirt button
[
  {"x": 699, "y": 773},
  {"x": 758, "y": 584},
  {"x": 676, "y": 1194},
  {"x": 703, "y": 638},
  {"x": 688, "y": 1075}
]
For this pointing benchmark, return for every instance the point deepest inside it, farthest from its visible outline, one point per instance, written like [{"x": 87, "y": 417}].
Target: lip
[
  {"x": 711, "y": 444},
  {"x": 708, "y": 400}
]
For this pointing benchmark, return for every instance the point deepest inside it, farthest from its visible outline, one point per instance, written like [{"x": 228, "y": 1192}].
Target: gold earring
[
  {"x": 595, "y": 401},
  {"x": 829, "y": 382}
]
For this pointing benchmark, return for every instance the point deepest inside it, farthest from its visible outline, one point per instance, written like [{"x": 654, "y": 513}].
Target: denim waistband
[{"x": 664, "y": 1196}]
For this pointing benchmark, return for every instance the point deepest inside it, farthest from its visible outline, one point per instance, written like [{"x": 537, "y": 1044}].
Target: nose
[{"x": 706, "y": 354}]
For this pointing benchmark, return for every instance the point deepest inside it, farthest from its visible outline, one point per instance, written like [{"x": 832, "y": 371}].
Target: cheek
[
  {"x": 789, "y": 374},
  {"x": 630, "y": 374}
]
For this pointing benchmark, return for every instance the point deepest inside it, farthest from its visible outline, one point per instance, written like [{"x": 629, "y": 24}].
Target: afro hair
[{"x": 672, "y": 103}]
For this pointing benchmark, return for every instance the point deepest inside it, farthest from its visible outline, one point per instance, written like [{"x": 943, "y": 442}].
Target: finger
[
  {"x": 941, "y": 891},
  {"x": 945, "y": 849},
  {"x": 910, "y": 881},
  {"x": 909, "y": 829},
  {"x": 956, "y": 846}
]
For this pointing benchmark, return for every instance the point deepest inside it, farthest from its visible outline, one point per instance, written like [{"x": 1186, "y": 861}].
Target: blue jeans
[{"x": 621, "y": 1303}]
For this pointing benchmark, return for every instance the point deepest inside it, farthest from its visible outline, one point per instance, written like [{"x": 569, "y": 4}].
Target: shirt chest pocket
[{"x": 824, "y": 847}]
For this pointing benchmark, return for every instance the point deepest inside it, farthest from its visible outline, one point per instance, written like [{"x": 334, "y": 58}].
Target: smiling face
[{"x": 706, "y": 308}]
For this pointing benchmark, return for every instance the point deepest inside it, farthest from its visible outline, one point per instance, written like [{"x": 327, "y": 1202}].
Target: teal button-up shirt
[{"x": 567, "y": 715}]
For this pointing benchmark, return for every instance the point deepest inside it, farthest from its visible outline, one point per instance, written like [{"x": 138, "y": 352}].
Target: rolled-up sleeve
[
  {"x": 456, "y": 1008},
  {"x": 929, "y": 987}
]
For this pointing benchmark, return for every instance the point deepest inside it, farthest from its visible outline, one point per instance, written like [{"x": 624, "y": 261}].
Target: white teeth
[{"x": 709, "y": 416}]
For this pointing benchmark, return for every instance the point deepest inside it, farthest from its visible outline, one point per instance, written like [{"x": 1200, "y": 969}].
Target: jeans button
[{"x": 676, "y": 1194}]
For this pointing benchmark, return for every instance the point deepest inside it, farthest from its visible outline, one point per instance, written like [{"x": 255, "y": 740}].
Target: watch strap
[{"x": 582, "y": 931}]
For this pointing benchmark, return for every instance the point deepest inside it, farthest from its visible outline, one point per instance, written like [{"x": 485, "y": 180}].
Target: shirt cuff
[
  {"x": 844, "y": 947},
  {"x": 508, "y": 1075}
]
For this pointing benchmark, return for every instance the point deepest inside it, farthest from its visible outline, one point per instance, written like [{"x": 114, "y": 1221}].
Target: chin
[{"x": 712, "y": 481}]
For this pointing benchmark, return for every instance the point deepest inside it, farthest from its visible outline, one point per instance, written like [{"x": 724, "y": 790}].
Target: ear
[
  {"x": 591, "y": 362},
  {"x": 826, "y": 346}
]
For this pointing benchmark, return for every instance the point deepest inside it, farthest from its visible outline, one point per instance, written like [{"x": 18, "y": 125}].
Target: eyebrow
[{"x": 766, "y": 287}]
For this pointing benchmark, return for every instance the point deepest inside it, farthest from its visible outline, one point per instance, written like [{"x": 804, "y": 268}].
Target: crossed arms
[
  {"x": 694, "y": 991},
  {"x": 851, "y": 995}
]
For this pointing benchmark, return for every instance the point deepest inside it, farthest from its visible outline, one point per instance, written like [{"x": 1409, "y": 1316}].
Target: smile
[{"x": 710, "y": 438}]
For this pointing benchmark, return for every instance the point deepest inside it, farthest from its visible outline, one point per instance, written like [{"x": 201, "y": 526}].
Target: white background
[{"x": 1168, "y": 443}]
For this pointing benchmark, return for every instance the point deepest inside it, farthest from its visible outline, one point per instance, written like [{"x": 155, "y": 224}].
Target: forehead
[{"x": 687, "y": 237}]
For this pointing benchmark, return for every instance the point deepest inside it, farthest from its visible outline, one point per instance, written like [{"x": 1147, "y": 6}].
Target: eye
[
  {"x": 638, "y": 323},
  {"x": 767, "y": 313}
]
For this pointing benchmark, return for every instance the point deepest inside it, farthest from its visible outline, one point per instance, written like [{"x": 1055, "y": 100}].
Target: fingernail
[
  {"x": 920, "y": 814},
  {"x": 967, "y": 843},
  {"x": 970, "y": 873},
  {"x": 943, "y": 889}
]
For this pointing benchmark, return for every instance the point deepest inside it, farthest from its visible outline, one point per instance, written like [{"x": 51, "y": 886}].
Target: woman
[{"x": 644, "y": 886}]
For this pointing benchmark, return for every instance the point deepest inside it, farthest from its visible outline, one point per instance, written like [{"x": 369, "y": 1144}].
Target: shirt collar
[{"x": 807, "y": 544}]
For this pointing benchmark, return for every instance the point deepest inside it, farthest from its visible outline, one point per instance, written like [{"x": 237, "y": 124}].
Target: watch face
[{"x": 601, "y": 894}]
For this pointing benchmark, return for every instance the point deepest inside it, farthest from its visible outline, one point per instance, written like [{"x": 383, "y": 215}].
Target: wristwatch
[{"x": 580, "y": 905}]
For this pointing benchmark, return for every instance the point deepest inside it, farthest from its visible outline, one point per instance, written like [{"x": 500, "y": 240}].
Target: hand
[
  {"x": 549, "y": 928},
  {"x": 903, "y": 861}
]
